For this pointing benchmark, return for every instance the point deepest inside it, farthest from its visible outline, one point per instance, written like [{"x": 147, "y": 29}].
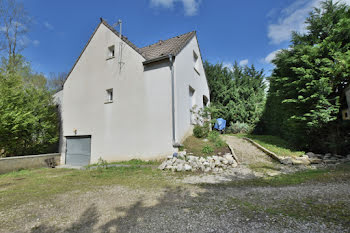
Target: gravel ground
[{"x": 185, "y": 209}]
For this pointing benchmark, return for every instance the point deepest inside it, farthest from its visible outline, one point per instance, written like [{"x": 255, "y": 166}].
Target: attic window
[
  {"x": 111, "y": 52},
  {"x": 196, "y": 62},
  {"x": 109, "y": 96}
]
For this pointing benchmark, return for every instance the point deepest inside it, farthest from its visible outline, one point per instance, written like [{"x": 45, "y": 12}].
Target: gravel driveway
[{"x": 213, "y": 208}]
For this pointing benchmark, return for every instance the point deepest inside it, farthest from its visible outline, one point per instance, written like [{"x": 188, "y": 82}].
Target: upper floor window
[
  {"x": 109, "y": 95},
  {"x": 111, "y": 52},
  {"x": 196, "y": 62}
]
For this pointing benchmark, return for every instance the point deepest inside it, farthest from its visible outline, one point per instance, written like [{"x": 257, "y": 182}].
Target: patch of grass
[
  {"x": 30, "y": 185},
  {"x": 339, "y": 173},
  {"x": 274, "y": 144},
  {"x": 133, "y": 162},
  {"x": 195, "y": 145},
  {"x": 263, "y": 167}
]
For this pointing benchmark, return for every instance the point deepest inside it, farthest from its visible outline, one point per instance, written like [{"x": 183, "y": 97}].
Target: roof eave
[{"x": 157, "y": 59}]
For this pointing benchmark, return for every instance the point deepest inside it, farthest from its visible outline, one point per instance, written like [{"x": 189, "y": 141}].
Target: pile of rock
[
  {"x": 312, "y": 158},
  {"x": 182, "y": 162}
]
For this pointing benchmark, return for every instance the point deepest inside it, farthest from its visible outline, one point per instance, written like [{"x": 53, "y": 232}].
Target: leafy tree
[
  {"x": 237, "y": 95},
  {"x": 28, "y": 117},
  {"x": 307, "y": 86}
]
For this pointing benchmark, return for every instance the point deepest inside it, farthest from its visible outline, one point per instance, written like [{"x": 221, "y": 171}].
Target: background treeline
[
  {"x": 237, "y": 94},
  {"x": 306, "y": 88},
  {"x": 28, "y": 117}
]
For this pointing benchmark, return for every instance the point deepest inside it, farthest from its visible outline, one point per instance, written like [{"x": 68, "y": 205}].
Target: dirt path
[
  {"x": 252, "y": 163},
  {"x": 246, "y": 152}
]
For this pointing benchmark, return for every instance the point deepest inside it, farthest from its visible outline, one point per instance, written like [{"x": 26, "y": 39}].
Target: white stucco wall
[
  {"x": 186, "y": 76},
  {"x": 138, "y": 122},
  {"x": 347, "y": 94}
]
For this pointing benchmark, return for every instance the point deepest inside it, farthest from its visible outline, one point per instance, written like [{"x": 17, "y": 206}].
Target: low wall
[{"x": 25, "y": 162}]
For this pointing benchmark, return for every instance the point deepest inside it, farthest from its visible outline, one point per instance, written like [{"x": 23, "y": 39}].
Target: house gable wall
[
  {"x": 138, "y": 122},
  {"x": 185, "y": 77}
]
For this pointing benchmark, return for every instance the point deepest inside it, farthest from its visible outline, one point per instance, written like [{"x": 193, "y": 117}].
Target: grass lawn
[
  {"x": 336, "y": 174},
  {"x": 195, "y": 145},
  {"x": 30, "y": 185},
  {"x": 274, "y": 144}
]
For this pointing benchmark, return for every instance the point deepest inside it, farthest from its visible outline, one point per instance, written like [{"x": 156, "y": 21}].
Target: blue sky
[{"x": 249, "y": 31}]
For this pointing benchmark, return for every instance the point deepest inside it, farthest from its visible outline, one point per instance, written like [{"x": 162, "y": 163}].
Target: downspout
[
  {"x": 172, "y": 96},
  {"x": 171, "y": 60}
]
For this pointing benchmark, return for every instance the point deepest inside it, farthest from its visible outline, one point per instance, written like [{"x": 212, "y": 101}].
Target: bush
[
  {"x": 214, "y": 137},
  {"x": 207, "y": 149},
  {"x": 238, "y": 128},
  {"x": 201, "y": 131}
]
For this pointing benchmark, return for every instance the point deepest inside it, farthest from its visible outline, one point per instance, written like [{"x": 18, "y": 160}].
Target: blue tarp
[{"x": 220, "y": 124}]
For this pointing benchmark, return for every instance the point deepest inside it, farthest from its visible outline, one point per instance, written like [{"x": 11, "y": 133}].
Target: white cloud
[
  {"x": 293, "y": 19},
  {"x": 228, "y": 65},
  {"x": 244, "y": 62},
  {"x": 271, "y": 56},
  {"x": 36, "y": 42},
  {"x": 48, "y": 26},
  {"x": 190, "y": 6}
]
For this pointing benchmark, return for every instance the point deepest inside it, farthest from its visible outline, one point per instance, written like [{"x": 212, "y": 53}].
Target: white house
[
  {"x": 121, "y": 102},
  {"x": 346, "y": 112}
]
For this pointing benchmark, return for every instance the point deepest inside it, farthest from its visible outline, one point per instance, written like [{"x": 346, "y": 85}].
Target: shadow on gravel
[{"x": 133, "y": 216}]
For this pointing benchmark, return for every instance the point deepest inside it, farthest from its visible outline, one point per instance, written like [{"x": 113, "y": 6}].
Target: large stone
[
  {"x": 179, "y": 167},
  {"x": 329, "y": 161},
  {"x": 208, "y": 169},
  {"x": 315, "y": 160},
  {"x": 187, "y": 167},
  {"x": 287, "y": 161},
  {"x": 163, "y": 165},
  {"x": 301, "y": 161}
]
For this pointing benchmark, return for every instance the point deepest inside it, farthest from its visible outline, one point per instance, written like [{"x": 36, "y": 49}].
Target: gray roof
[
  {"x": 152, "y": 52},
  {"x": 166, "y": 47},
  {"x": 160, "y": 49}
]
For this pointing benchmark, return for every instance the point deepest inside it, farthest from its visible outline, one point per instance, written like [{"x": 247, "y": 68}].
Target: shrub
[
  {"x": 214, "y": 137},
  {"x": 238, "y": 128},
  {"x": 201, "y": 131},
  {"x": 207, "y": 149}
]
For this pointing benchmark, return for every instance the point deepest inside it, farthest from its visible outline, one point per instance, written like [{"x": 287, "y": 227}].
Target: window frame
[
  {"x": 109, "y": 96},
  {"x": 110, "y": 52}
]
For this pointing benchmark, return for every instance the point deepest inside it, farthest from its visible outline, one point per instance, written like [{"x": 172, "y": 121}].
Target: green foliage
[
  {"x": 237, "y": 94},
  {"x": 214, "y": 137},
  {"x": 28, "y": 117},
  {"x": 101, "y": 163},
  {"x": 238, "y": 127},
  {"x": 307, "y": 86},
  {"x": 207, "y": 149},
  {"x": 201, "y": 131}
]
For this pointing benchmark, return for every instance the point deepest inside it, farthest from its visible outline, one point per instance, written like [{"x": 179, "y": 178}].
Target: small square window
[
  {"x": 196, "y": 62},
  {"x": 109, "y": 97},
  {"x": 111, "y": 52}
]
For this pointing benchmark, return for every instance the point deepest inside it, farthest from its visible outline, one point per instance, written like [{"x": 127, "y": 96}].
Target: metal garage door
[{"x": 78, "y": 151}]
